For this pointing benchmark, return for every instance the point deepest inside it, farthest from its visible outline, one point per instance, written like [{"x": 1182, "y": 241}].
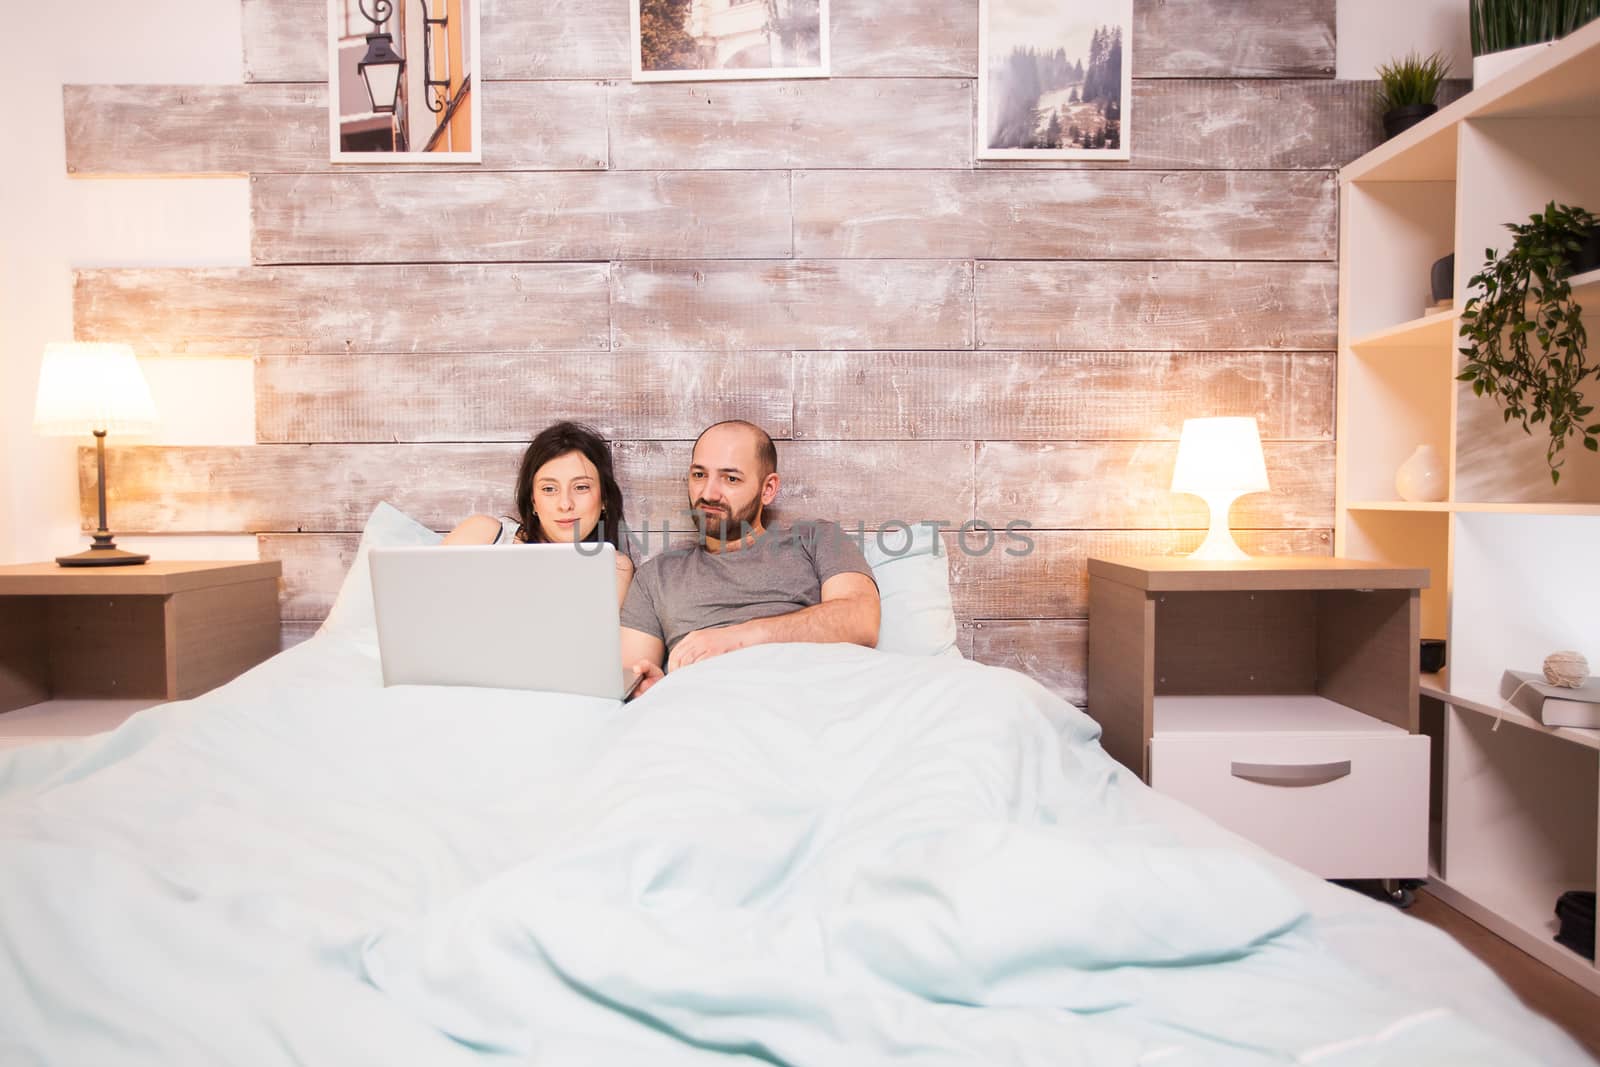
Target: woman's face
[{"x": 566, "y": 497}]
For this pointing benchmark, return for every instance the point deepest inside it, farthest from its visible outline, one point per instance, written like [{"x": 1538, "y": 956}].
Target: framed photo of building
[
  {"x": 403, "y": 82},
  {"x": 1055, "y": 79},
  {"x": 701, "y": 40}
]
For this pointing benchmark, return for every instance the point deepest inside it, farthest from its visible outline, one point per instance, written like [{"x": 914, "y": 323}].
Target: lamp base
[
  {"x": 101, "y": 556},
  {"x": 1219, "y": 543}
]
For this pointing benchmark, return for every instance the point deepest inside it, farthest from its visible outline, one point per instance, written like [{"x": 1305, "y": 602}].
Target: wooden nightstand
[
  {"x": 1277, "y": 695},
  {"x": 162, "y": 630}
]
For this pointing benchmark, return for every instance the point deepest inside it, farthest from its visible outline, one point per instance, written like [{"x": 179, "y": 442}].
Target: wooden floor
[{"x": 1563, "y": 1001}]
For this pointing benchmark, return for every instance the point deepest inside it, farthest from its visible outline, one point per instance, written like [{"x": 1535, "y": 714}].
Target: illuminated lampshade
[
  {"x": 87, "y": 388},
  {"x": 1219, "y": 460}
]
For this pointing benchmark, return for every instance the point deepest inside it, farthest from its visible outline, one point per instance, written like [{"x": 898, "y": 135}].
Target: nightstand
[
  {"x": 1276, "y": 695},
  {"x": 161, "y": 631}
]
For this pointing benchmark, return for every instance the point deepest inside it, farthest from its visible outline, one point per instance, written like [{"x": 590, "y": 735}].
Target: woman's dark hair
[{"x": 554, "y": 442}]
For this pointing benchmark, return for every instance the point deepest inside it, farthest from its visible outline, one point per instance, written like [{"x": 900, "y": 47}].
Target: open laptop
[{"x": 502, "y": 616}]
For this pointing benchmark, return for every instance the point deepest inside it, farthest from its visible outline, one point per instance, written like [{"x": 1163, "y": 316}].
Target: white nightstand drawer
[{"x": 1341, "y": 806}]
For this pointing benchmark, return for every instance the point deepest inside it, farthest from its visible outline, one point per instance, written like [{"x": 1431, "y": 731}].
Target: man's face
[{"x": 725, "y": 483}]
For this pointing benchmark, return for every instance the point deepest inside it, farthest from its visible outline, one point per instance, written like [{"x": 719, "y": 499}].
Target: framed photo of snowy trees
[
  {"x": 1055, "y": 79},
  {"x": 701, "y": 40}
]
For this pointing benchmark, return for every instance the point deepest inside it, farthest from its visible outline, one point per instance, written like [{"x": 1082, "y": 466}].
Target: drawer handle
[{"x": 1291, "y": 774}]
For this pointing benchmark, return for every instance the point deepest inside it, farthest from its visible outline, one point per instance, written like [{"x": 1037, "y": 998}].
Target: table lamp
[
  {"x": 93, "y": 388},
  {"x": 1219, "y": 460}
]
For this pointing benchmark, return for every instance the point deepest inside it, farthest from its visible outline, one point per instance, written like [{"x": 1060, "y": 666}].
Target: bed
[{"x": 791, "y": 854}]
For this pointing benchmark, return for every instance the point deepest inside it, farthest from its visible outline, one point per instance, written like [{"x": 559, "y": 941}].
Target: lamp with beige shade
[{"x": 95, "y": 388}]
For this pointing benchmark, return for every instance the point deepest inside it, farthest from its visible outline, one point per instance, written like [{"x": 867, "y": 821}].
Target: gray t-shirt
[{"x": 688, "y": 588}]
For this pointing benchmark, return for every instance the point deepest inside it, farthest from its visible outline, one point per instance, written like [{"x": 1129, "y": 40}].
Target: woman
[{"x": 566, "y": 492}]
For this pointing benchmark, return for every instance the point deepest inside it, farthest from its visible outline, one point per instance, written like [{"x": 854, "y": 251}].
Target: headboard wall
[{"x": 928, "y": 337}]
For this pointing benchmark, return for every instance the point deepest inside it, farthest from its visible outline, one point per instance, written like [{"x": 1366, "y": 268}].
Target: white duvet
[{"x": 807, "y": 855}]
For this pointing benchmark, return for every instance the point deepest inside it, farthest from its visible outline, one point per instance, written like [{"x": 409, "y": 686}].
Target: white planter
[
  {"x": 1422, "y": 477},
  {"x": 1486, "y": 68}
]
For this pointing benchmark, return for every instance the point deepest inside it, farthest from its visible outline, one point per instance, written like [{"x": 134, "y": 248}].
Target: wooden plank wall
[{"x": 929, "y": 337}]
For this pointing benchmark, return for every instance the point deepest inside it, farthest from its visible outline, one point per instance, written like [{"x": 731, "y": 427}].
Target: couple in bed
[{"x": 738, "y": 584}]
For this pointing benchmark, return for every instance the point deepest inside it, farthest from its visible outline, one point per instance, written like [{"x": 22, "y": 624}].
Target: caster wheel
[{"x": 1402, "y": 897}]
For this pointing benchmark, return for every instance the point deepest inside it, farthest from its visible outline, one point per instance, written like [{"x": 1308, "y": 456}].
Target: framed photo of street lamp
[
  {"x": 1055, "y": 79},
  {"x": 403, "y": 83},
  {"x": 724, "y": 40}
]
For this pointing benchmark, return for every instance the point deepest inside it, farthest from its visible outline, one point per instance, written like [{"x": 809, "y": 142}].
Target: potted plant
[
  {"x": 1408, "y": 90},
  {"x": 1505, "y": 32},
  {"x": 1525, "y": 331}
]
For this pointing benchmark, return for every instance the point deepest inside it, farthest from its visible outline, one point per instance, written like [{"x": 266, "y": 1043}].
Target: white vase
[
  {"x": 1486, "y": 68},
  {"x": 1421, "y": 477}
]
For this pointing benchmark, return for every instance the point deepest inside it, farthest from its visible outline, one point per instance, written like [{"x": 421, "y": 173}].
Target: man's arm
[
  {"x": 643, "y": 653},
  {"x": 848, "y": 613}
]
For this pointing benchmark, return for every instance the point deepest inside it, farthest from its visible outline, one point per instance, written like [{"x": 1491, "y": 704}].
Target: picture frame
[
  {"x": 1055, "y": 79},
  {"x": 403, "y": 83},
  {"x": 728, "y": 40}
]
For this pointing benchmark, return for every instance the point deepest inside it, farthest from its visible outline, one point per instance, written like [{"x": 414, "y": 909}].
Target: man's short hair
[{"x": 766, "y": 451}]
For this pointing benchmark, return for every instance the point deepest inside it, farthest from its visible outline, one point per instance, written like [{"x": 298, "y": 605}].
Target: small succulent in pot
[
  {"x": 1408, "y": 90},
  {"x": 1526, "y": 300}
]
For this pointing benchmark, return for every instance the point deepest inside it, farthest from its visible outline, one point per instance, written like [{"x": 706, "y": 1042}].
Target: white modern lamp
[
  {"x": 93, "y": 388},
  {"x": 1219, "y": 460}
]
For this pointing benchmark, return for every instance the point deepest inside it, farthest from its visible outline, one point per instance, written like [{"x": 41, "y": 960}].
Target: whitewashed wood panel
[
  {"x": 1052, "y": 581},
  {"x": 934, "y": 38},
  {"x": 194, "y": 129},
  {"x": 1240, "y": 124},
  {"x": 723, "y": 304},
  {"x": 260, "y": 129},
  {"x": 314, "y": 566},
  {"x": 1073, "y": 485},
  {"x": 1233, "y": 38},
  {"x": 1165, "y": 305},
  {"x": 284, "y": 40},
  {"x": 1053, "y": 652},
  {"x": 507, "y": 217},
  {"x": 838, "y": 122},
  {"x": 510, "y": 397},
  {"x": 295, "y": 633},
  {"x": 1076, "y": 215},
  {"x": 402, "y": 308},
  {"x": 574, "y": 39},
  {"x": 1056, "y": 396},
  {"x": 332, "y": 488}
]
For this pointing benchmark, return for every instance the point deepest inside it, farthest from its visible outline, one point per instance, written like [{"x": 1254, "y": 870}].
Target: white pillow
[
  {"x": 917, "y": 615},
  {"x": 352, "y": 614}
]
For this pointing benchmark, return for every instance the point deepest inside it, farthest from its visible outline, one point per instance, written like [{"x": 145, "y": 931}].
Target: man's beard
[{"x": 724, "y": 525}]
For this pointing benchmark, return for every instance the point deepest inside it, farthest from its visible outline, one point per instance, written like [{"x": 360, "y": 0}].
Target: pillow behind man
[{"x": 912, "y": 570}]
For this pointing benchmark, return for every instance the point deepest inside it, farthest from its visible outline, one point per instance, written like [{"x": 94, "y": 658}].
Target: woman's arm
[{"x": 474, "y": 530}]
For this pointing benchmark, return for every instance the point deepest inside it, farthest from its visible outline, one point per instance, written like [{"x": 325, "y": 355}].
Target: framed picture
[
  {"x": 701, "y": 40},
  {"x": 1054, "y": 79},
  {"x": 403, "y": 82}
]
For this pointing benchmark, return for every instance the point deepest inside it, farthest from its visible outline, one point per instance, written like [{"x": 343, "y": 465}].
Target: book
[{"x": 1552, "y": 705}]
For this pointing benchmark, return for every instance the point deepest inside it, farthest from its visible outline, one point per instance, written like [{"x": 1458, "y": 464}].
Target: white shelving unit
[{"x": 1515, "y": 560}]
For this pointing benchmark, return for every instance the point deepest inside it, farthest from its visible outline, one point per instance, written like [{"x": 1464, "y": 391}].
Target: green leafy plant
[
  {"x": 1540, "y": 385},
  {"x": 1412, "y": 80},
  {"x": 1497, "y": 25}
]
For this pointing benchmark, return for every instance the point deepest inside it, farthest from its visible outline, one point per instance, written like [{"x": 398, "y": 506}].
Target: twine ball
[{"x": 1566, "y": 669}]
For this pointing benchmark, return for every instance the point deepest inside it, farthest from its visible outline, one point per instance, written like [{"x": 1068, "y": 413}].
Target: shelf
[
  {"x": 1432, "y": 329},
  {"x": 1523, "y": 915},
  {"x": 1426, "y": 506},
  {"x": 1562, "y": 82},
  {"x": 1480, "y": 507},
  {"x": 1585, "y": 285},
  {"x": 1431, "y": 685}
]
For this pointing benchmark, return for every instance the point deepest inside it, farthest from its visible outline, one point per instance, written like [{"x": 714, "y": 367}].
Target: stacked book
[{"x": 1552, "y": 705}]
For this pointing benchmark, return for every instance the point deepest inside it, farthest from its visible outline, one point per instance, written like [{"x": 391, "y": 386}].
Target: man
[{"x": 743, "y": 584}]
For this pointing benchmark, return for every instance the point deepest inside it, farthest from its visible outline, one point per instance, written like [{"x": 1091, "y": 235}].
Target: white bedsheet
[{"x": 791, "y": 854}]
